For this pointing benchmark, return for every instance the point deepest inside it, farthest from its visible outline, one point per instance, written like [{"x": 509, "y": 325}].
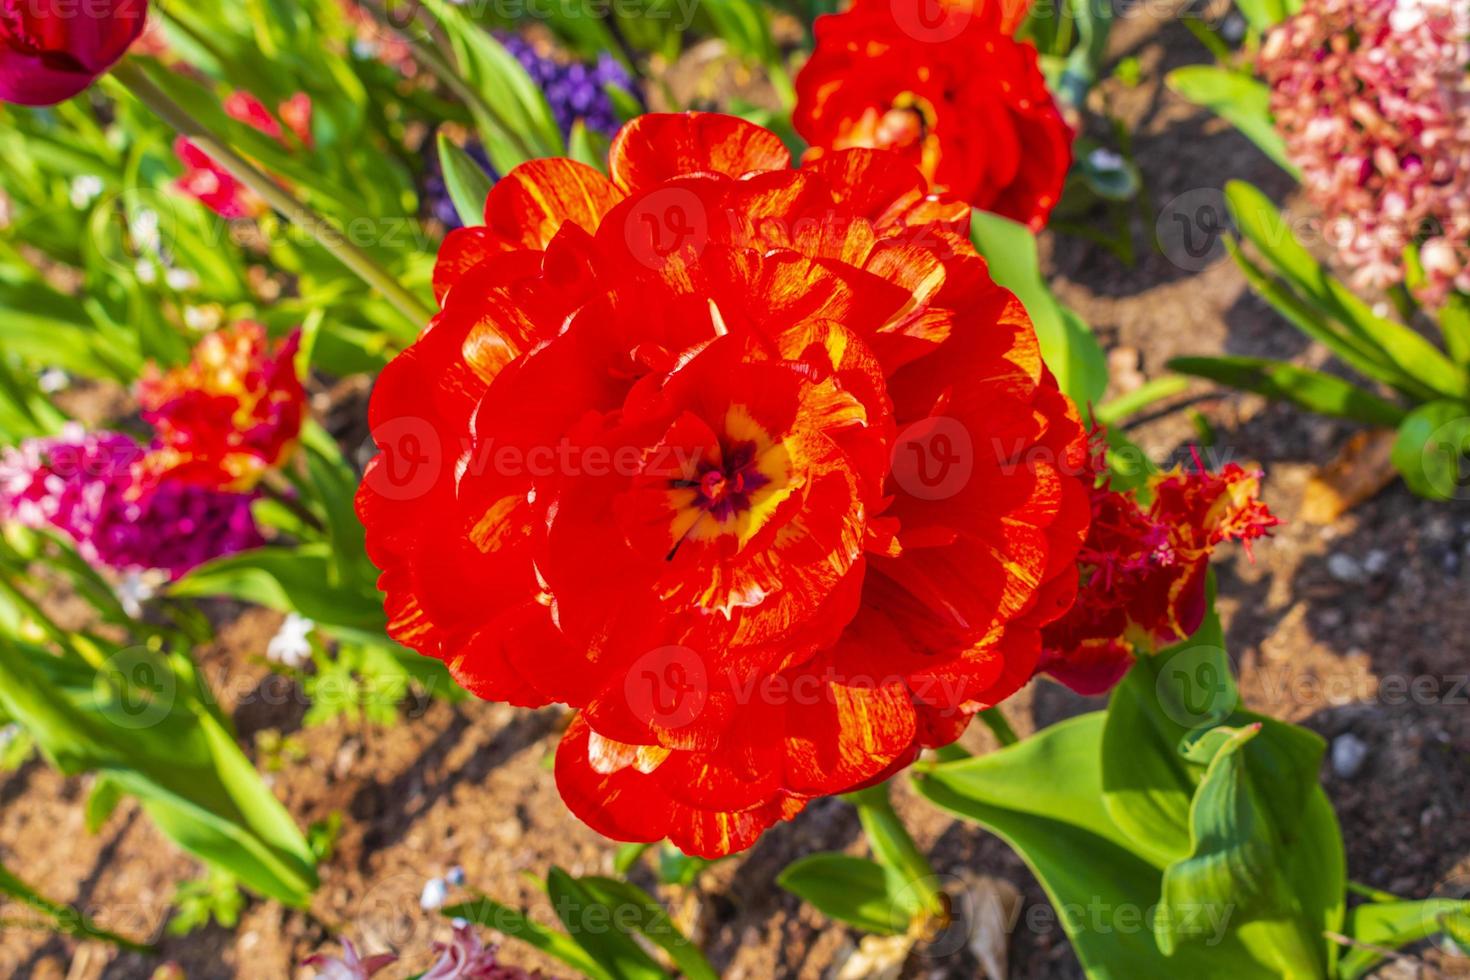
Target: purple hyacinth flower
[{"x": 575, "y": 91}]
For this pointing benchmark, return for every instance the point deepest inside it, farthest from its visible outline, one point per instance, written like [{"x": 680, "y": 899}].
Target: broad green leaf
[
  {"x": 289, "y": 579},
  {"x": 1067, "y": 345},
  {"x": 1454, "y": 326},
  {"x": 1393, "y": 925},
  {"x": 1312, "y": 390},
  {"x": 1355, "y": 351},
  {"x": 1043, "y": 796},
  {"x": 139, "y": 722},
  {"x": 1432, "y": 450},
  {"x": 1262, "y": 223},
  {"x": 1240, "y": 99},
  {"x": 504, "y": 919},
  {"x": 1236, "y": 861},
  {"x": 467, "y": 182},
  {"x": 1147, "y": 783},
  {"x": 854, "y": 890},
  {"x": 592, "y": 926},
  {"x": 653, "y": 921}
]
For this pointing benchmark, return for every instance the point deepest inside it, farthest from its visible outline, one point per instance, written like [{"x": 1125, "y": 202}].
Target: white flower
[
  {"x": 436, "y": 890},
  {"x": 84, "y": 190},
  {"x": 53, "y": 380},
  {"x": 291, "y": 645},
  {"x": 135, "y": 589},
  {"x": 145, "y": 231},
  {"x": 181, "y": 279}
]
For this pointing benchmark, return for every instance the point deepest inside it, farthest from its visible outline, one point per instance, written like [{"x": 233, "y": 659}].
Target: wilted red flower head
[
  {"x": 52, "y": 49},
  {"x": 229, "y": 415},
  {"x": 943, "y": 83},
  {"x": 1144, "y": 569},
  {"x": 214, "y": 186},
  {"x": 756, "y": 467}
]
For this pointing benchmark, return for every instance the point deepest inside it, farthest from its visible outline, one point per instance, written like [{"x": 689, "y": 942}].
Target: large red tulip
[{"x": 754, "y": 466}]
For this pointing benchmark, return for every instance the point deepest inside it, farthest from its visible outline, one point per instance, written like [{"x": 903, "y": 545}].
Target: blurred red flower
[
  {"x": 214, "y": 186},
  {"x": 1144, "y": 570},
  {"x": 229, "y": 415},
  {"x": 52, "y": 49},
  {"x": 943, "y": 83},
  {"x": 754, "y": 466}
]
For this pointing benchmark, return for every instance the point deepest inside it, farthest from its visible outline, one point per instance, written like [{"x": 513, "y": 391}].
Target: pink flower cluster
[
  {"x": 1373, "y": 99},
  {"x": 83, "y": 484}
]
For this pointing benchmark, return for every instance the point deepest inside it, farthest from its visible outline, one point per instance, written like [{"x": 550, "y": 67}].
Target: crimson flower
[
  {"x": 944, "y": 83},
  {"x": 52, "y": 49},
  {"x": 229, "y": 415},
  {"x": 1144, "y": 570},
  {"x": 755, "y": 467},
  {"x": 214, "y": 186}
]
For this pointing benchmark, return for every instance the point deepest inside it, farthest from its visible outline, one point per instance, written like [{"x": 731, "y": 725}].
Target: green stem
[
  {"x": 894, "y": 847},
  {"x": 1118, "y": 411},
  {"x": 996, "y": 722},
  {"x": 135, "y": 79}
]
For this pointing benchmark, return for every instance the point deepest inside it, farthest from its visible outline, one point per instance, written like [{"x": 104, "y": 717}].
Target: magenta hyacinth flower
[{"x": 81, "y": 484}]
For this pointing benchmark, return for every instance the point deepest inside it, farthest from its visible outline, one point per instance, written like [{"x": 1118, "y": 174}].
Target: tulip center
[
  {"x": 723, "y": 488},
  {"x": 906, "y": 124},
  {"x": 729, "y": 489}
]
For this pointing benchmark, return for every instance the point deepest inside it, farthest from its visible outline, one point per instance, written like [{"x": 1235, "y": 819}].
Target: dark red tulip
[{"x": 52, "y": 49}]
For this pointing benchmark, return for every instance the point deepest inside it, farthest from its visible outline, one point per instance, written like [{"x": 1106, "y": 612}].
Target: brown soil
[{"x": 466, "y": 785}]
